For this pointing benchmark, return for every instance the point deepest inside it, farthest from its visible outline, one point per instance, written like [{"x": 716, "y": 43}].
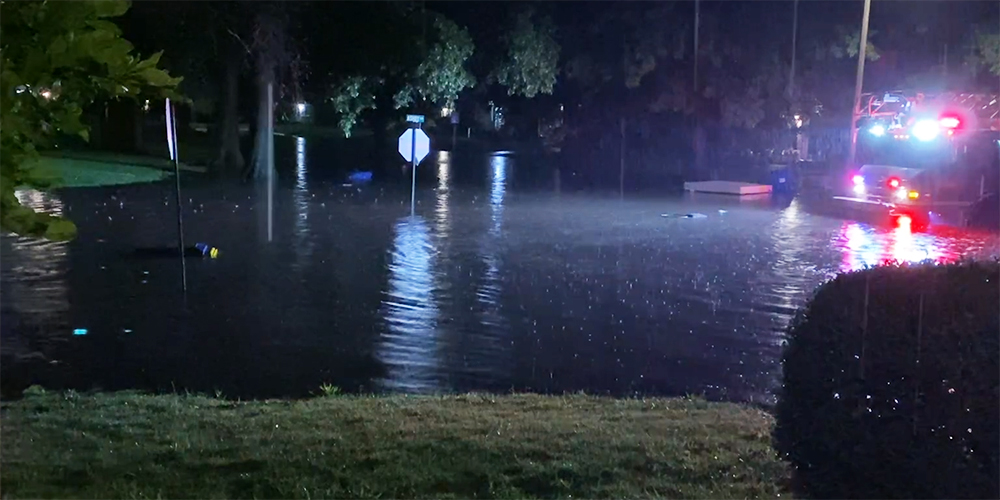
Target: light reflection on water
[
  {"x": 490, "y": 289},
  {"x": 866, "y": 246},
  {"x": 410, "y": 348},
  {"x": 34, "y": 281},
  {"x": 300, "y": 195},
  {"x": 443, "y": 193}
]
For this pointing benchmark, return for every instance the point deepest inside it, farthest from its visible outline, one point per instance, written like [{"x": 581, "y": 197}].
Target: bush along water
[{"x": 892, "y": 385}]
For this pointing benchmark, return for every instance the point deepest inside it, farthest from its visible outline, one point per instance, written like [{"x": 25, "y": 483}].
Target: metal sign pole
[
  {"x": 270, "y": 162},
  {"x": 175, "y": 156},
  {"x": 413, "y": 167}
]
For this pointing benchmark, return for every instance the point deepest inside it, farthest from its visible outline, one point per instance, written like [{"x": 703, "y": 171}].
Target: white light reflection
[
  {"x": 778, "y": 292},
  {"x": 498, "y": 188},
  {"x": 490, "y": 289},
  {"x": 860, "y": 250},
  {"x": 300, "y": 162},
  {"x": 443, "y": 194},
  {"x": 792, "y": 260},
  {"x": 303, "y": 242},
  {"x": 411, "y": 347},
  {"x": 35, "y": 271}
]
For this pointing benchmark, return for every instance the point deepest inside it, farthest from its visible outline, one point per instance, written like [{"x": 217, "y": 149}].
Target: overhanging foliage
[{"x": 57, "y": 58}]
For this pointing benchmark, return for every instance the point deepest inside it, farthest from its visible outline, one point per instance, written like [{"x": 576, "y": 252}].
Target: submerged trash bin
[{"x": 784, "y": 179}]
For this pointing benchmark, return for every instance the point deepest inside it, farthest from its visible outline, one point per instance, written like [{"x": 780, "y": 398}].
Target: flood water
[{"x": 496, "y": 284}]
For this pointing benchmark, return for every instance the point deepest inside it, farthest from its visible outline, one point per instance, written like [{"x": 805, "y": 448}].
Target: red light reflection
[{"x": 865, "y": 246}]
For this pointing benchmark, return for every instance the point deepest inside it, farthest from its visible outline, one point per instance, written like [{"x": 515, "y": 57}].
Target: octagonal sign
[{"x": 420, "y": 149}]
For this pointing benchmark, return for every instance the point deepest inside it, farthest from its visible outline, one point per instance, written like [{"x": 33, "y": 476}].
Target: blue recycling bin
[{"x": 784, "y": 179}]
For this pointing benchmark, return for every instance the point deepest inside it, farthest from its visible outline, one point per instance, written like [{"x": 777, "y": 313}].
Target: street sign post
[
  {"x": 414, "y": 146},
  {"x": 171, "y": 117}
]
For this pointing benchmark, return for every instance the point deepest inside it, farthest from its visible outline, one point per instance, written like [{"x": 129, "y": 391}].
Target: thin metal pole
[
  {"x": 856, "y": 111},
  {"x": 172, "y": 140},
  {"x": 621, "y": 162},
  {"x": 945, "y": 65},
  {"x": 697, "y": 23},
  {"x": 270, "y": 163},
  {"x": 621, "y": 124},
  {"x": 413, "y": 168},
  {"x": 795, "y": 33}
]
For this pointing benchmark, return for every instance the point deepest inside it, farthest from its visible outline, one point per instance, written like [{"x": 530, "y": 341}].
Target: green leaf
[
  {"x": 60, "y": 230},
  {"x": 158, "y": 78},
  {"x": 110, "y": 8}
]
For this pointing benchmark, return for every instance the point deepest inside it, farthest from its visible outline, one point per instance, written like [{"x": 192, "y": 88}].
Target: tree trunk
[
  {"x": 263, "y": 161},
  {"x": 230, "y": 160}
]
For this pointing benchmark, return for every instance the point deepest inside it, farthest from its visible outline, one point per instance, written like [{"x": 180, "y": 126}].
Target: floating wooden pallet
[{"x": 727, "y": 187}]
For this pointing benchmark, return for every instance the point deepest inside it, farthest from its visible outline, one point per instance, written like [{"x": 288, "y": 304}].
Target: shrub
[{"x": 892, "y": 385}]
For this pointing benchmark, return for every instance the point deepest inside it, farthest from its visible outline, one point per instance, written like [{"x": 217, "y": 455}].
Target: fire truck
[{"x": 920, "y": 154}]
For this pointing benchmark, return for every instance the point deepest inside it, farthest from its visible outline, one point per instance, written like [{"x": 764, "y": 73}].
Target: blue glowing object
[
  {"x": 360, "y": 177},
  {"x": 80, "y": 331}
]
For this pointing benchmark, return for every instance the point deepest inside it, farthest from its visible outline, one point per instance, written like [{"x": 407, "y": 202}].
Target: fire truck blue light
[{"x": 877, "y": 130}]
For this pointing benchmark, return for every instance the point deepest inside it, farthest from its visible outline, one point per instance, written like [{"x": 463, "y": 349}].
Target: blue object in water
[
  {"x": 784, "y": 180},
  {"x": 80, "y": 331},
  {"x": 360, "y": 177},
  {"x": 207, "y": 249}
]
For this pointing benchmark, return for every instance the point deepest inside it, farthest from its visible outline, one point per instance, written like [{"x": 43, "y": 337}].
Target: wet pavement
[{"x": 492, "y": 286}]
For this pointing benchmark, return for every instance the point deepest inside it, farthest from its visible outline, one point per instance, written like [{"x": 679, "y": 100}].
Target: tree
[
  {"x": 849, "y": 43},
  {"x": 986, "y": 52},
  {"x": 531, "y": 63},
  {"x": 204, "y": 42},
  {"x": 272, "y": 50},
  {"x": 58, "y": 58},
  {"x": 404, "y": 73},
  {"x": 442, "y": 74},
  {"x": 351, "y": 98}
]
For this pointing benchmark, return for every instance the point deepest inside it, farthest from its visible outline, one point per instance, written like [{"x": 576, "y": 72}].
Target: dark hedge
[{"x": 902, "y": 401}]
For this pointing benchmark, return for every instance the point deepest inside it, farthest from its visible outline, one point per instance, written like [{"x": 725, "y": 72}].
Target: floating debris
[{"x": 693, "y": 215}]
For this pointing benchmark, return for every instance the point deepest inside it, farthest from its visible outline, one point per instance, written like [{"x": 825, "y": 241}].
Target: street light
[{"x": 856, "y": 112}]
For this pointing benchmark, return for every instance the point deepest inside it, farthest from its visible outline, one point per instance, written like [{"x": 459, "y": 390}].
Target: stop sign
[{"x": 420, "y": 149}]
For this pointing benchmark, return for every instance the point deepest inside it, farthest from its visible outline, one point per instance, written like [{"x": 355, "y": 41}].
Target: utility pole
[
  {"x": 945, "y": 65},
  {"x": 856, "y": 112},
  {"x": 621, "y": 123},
  {"x": 697, "y": 12},
  {"x": 792, "y": 100},
  {"x": 795, "y": 32},
  {"x": 698, "y": 150}
]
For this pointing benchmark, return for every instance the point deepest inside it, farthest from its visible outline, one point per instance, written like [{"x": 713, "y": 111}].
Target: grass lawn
[
  {"x": 130, "y": 160},
  {"x": 128, "y": 445},
  {"x": 73, "y": 172}
]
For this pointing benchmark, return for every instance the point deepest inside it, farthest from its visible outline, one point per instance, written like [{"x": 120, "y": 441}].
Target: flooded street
[{"x": 492, "y": 286}]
